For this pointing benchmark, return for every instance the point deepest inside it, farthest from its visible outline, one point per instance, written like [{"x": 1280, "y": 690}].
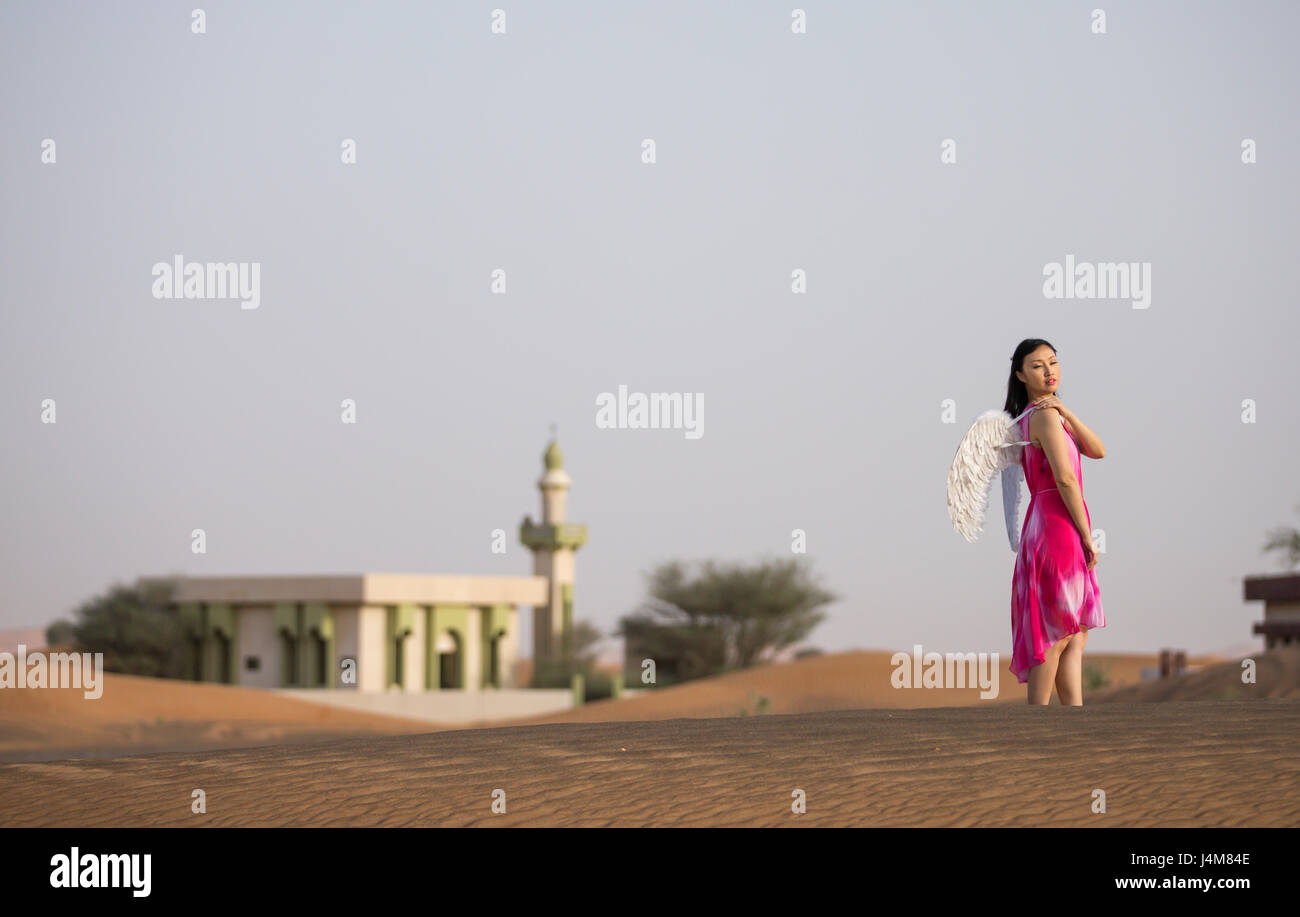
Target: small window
[{"x": 252, "y": 663}]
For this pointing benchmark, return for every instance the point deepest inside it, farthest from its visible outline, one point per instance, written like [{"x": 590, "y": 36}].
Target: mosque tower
[{"x": 554, "y": 544}]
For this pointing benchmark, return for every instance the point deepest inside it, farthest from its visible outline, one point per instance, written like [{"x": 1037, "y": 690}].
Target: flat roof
[
  {"x": 1279, "y": 588},
  {"x": 359, "y": 589}
]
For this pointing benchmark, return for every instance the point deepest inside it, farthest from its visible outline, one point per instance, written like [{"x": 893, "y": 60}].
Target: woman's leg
[
  {"x": 1069, "y": 672},
  {"x": 1042, "y": 675}
]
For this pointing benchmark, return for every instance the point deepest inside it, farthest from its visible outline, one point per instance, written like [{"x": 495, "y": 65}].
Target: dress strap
[{"x": 1024, "y": 442}]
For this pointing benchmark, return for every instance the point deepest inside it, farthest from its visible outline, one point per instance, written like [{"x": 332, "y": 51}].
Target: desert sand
[
  {"x": 1224, "y": 763},
  {"x": 1177, "y": 752},
  {"x": 137, "y": 714},
  {"x": 837, "y": 681}
]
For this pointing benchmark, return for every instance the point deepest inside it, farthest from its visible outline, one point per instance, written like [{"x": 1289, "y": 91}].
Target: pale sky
[{"x": 523, "y": 152}]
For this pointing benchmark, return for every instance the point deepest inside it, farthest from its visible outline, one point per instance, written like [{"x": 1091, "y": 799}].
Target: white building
[{"x": 378, "y": 631}]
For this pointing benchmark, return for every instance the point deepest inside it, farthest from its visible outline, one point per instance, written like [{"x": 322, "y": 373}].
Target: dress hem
[{"x": 1040, "y": 660}]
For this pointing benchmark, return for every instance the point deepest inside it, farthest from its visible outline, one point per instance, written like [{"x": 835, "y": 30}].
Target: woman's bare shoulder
[
  {"x": 1043, "y": 416},
  {"x": 1042, "y": 421}
]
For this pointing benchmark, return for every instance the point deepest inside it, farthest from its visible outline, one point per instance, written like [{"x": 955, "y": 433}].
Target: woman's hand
[
  {"x": 1088, "y": 442},
  {"x": 1089, "y": 552},
  {"x": 1051, "y": 401}
]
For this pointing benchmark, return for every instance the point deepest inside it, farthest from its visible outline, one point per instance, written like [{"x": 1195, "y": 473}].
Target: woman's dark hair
[{"x": 1017, "y": 394}]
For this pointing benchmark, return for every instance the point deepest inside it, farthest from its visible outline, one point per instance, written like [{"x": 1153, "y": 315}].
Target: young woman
[{"x": 1055, "y": 599}]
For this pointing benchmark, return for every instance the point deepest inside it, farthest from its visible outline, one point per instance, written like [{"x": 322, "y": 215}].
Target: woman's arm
[
  {"x": 1090, "y": 443},
  {"x": 1048, "y": 431}
]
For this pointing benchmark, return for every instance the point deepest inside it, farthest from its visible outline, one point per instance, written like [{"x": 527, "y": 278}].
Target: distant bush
[
  {"x": 134, "y": 629},
  {"x": 598, "y": 686},
  {"x": 1095, "y": 676},
  {"x": 722, "y": 616},
  {"x": 577, "y": 655},
  {"x": 61, "y": 633},
  {"x": 761, "y": 705}
]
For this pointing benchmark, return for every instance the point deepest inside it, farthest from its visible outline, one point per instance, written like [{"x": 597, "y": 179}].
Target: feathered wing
[
  {"x": 1012, "y": 475},
  {"x": 988, "y": 447},
  {"x": 972, "y": 470}
]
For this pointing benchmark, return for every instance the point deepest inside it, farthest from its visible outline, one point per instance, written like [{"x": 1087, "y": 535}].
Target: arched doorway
[{"x": 449, "y": 660}]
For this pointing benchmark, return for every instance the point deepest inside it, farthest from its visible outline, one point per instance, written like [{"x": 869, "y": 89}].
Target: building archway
[{"x": 450, "y": 660}]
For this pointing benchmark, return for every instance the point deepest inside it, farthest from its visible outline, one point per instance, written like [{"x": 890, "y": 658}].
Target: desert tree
[{"x": 724, "y": 616}]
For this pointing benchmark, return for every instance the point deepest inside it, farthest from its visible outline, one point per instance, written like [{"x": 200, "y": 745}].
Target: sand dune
[
  {"x": 680, "y": 756},
  {"x": 1277, "y": 674},
  {"x": 838, "y": 681},
  {"x": 1220, "y": 763},
  {"x": 136, "y": 714}
]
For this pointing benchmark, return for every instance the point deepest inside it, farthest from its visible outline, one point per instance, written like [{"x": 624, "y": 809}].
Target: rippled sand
[{"x": 1225, "y": 763}]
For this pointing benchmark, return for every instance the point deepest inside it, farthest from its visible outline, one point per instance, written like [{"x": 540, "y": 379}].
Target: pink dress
[{"x": 1053, "y": 593}]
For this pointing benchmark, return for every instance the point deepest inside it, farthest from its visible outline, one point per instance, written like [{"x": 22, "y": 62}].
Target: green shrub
[
  {"x": 134, "y": 628},
  {"x": 760, "y": 704},
  {"x": 1095, "y": 676}
]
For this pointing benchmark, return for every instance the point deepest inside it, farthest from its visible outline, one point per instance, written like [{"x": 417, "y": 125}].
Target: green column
[
  {"x": 496, "y": 623},
  {"x": 285, "y": 621},
  {"x": 566, "y": 596},
  {"x": 317, "y": 624},
  {"x": 400, "y": 622},
  {"x": 431, "y": 660},
  {"x": 223, "y": 628},
  {"x": 190, "y": 615}
]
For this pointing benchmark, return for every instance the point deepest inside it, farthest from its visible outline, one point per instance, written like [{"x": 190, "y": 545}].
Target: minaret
[{"x": 554, "y": 544}]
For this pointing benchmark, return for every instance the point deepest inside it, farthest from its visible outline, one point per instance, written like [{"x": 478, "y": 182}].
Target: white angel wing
[
  {"x": 1012, "y": 475},
  {"x": 988, "y": 447}
]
